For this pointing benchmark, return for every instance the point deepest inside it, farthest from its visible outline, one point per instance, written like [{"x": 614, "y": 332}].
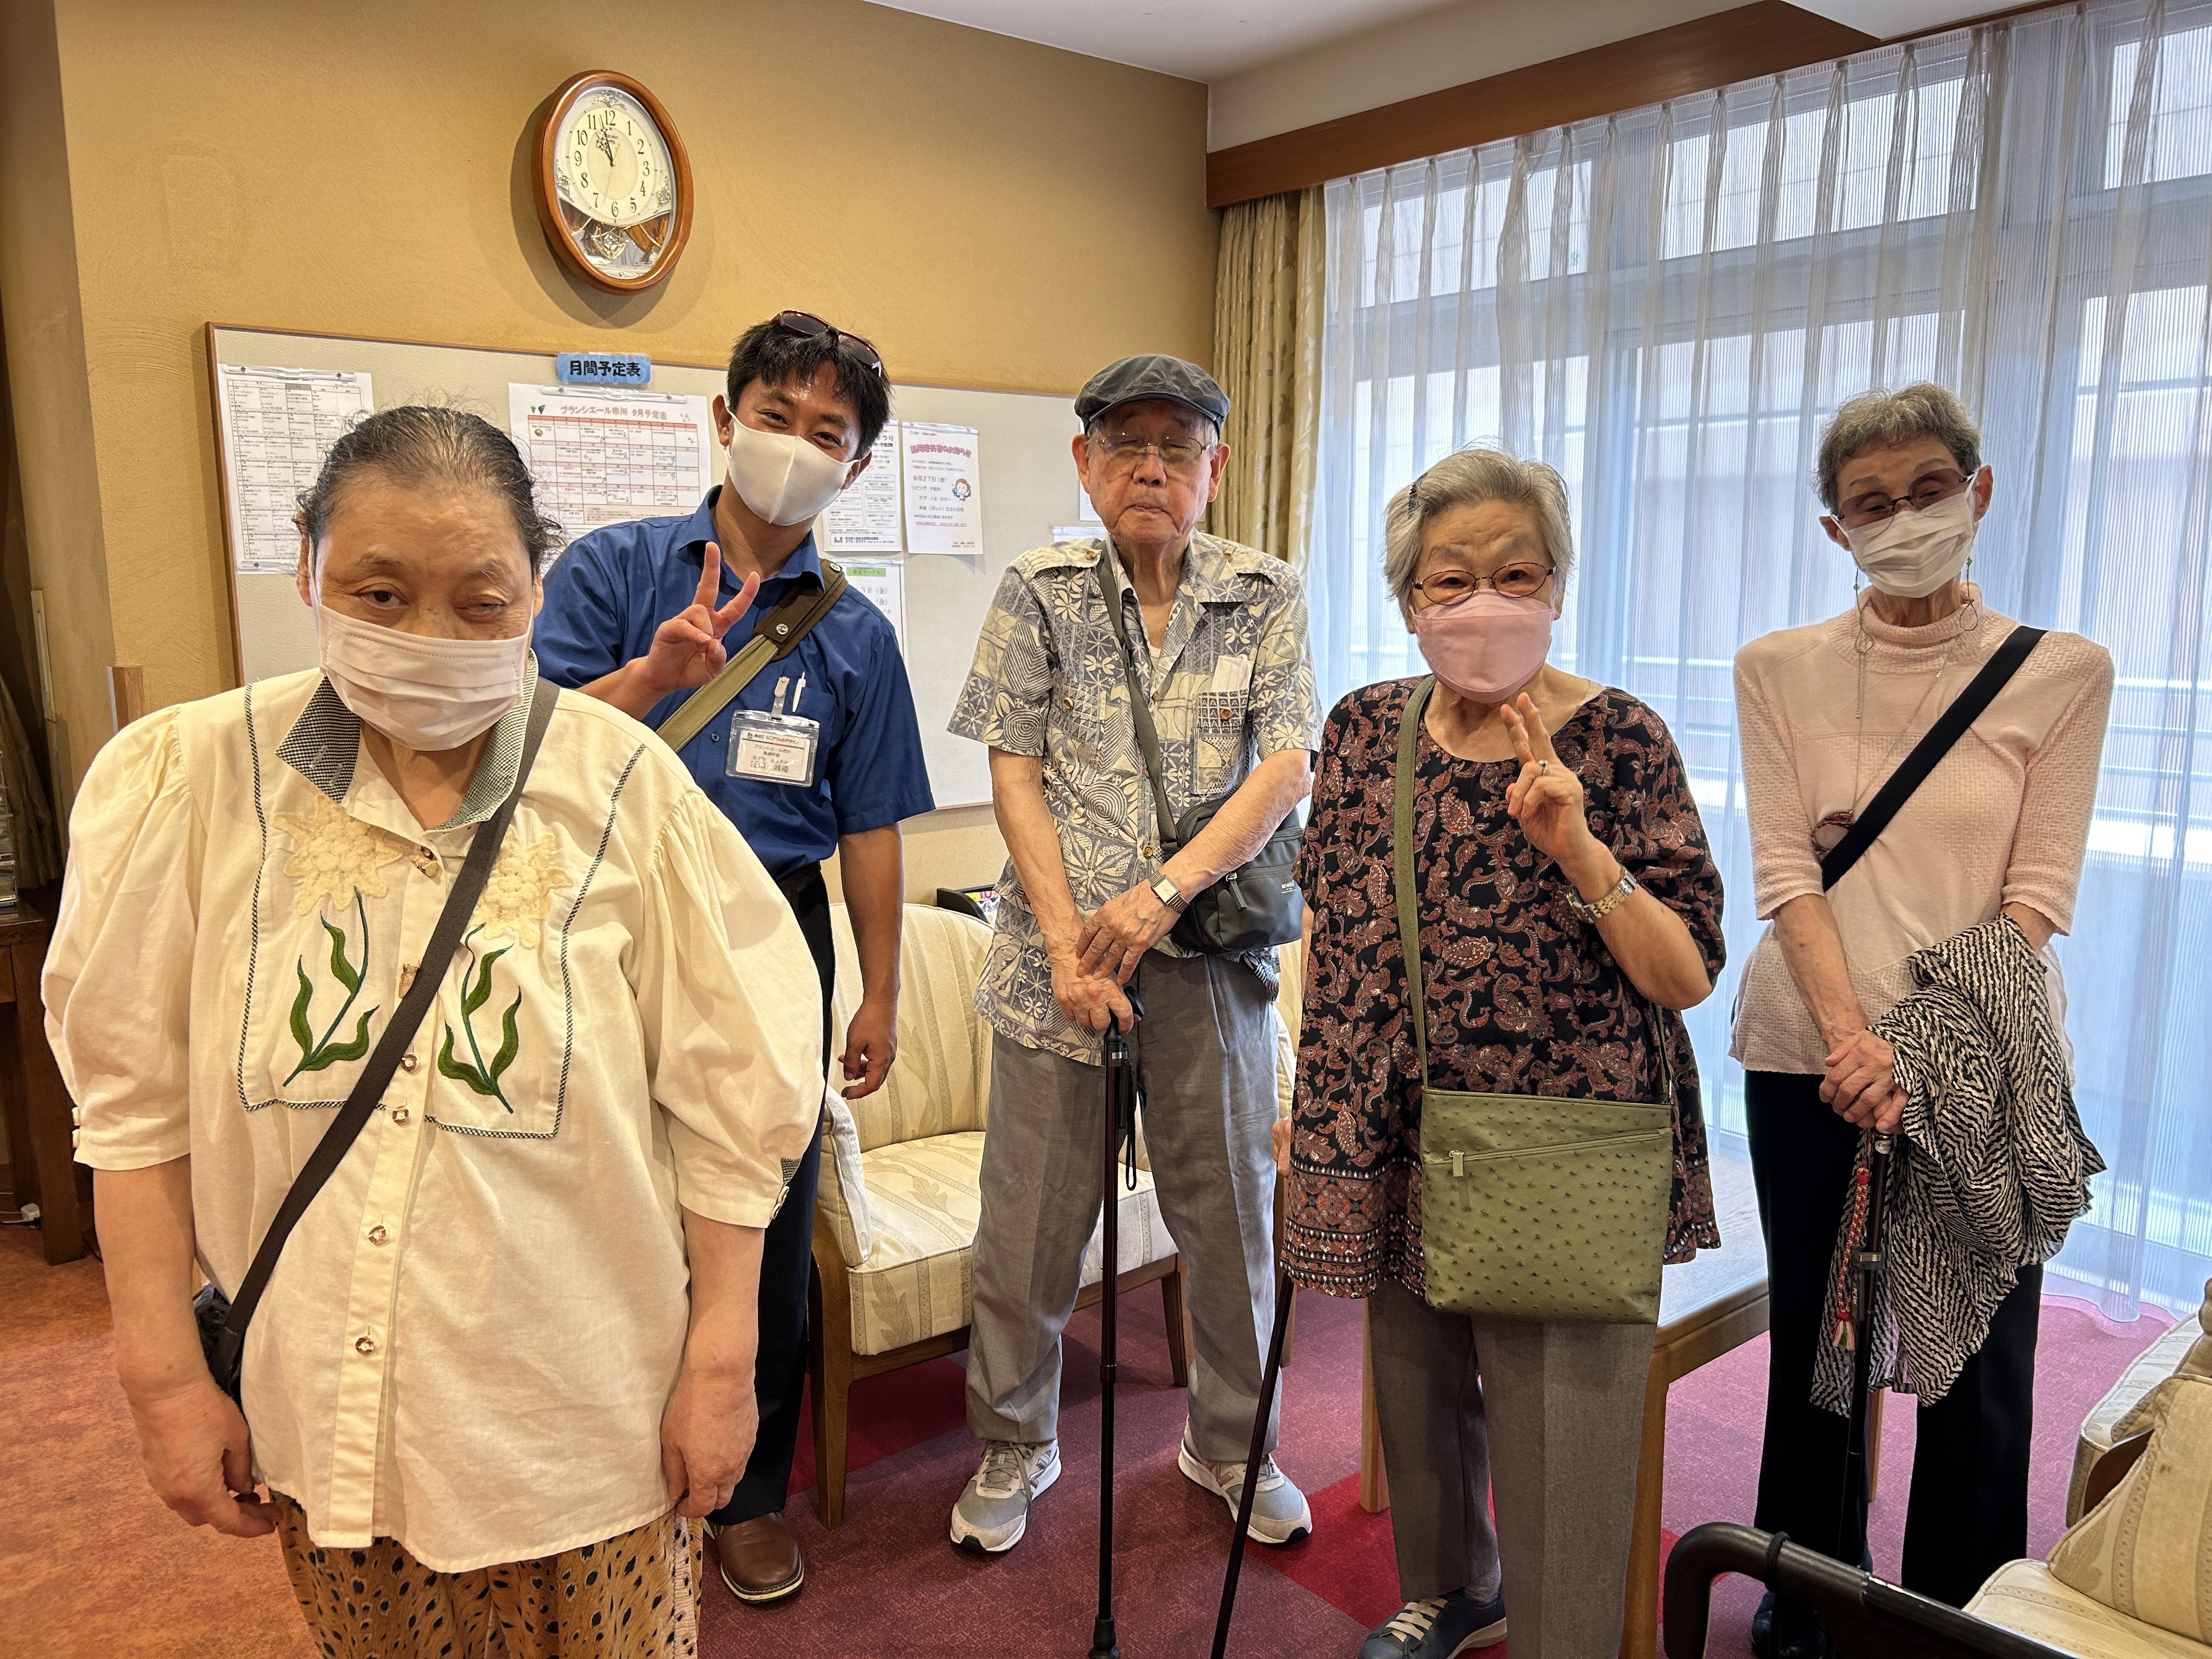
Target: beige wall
[{"x": 990, "y": 212}]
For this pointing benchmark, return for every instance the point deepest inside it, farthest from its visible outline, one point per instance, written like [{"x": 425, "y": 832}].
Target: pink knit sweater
[{"x": 2002, "y": 819}]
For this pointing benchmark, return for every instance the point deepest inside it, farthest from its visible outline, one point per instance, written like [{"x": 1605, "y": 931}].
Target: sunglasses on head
[{"x": 808, "y": 326}]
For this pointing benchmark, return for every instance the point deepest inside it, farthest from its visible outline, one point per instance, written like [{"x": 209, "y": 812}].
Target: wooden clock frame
[{"x": 553, "y": 213}]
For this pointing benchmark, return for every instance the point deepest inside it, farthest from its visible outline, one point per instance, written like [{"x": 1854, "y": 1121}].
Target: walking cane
[
  {"x": 1120, "y": 1128},
  {"x": 1284, "y": 1290},
  {"x": 1865, "y": 1270}
]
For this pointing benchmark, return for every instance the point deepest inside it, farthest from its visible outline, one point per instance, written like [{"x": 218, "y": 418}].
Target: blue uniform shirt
[{"x": 612, "y": 588}]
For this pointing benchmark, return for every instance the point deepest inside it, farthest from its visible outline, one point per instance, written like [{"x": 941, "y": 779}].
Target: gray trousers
[
  {"x": 1205, "y": 1054},
  {"x": 1549, "y": 1418}
]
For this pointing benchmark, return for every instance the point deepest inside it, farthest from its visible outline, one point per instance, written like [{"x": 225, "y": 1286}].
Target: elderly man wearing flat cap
[{"x": 1216, "y": 633}]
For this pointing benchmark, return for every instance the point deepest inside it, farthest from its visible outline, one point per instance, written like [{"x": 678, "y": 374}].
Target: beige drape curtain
[{"x": 1267, "y": 354}]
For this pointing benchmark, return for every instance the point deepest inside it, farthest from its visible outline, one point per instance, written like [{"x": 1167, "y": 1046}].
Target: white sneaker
[
  {"x": 1280, "y": 1513},
  {"x": 994, "y": 1511}
]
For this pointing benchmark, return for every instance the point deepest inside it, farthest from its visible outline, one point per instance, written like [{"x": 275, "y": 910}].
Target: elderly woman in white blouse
[
  {"x": 480, "y": 1406},
  {"x": 1827, "y": 713}
]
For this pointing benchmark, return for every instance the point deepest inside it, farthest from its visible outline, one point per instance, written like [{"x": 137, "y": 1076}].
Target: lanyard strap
[{"x": 1409, "y": 917}]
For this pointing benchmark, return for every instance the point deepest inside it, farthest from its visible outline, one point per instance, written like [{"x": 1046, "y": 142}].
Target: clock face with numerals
[{"x": 612, "y": 181}]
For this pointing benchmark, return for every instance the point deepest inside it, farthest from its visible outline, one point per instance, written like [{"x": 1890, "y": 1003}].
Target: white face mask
[
  {"x": 786, "y": 480},
  {"x": 1912, "y": 555},
  {"x": 423, "y": 693}
]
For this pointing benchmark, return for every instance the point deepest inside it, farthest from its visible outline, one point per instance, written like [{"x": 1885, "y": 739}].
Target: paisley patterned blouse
[{"x": 1522, "y": 999}]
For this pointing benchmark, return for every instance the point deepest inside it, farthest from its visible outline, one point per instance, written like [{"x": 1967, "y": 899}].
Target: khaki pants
[{"x": 632, "y": 1596}]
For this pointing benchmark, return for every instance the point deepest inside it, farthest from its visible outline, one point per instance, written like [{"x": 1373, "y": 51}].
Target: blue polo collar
[{"x": 805, "y": 559}]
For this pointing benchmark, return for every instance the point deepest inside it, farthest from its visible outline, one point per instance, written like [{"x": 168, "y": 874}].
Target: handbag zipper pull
[{"x": 1459, "y": 1163}]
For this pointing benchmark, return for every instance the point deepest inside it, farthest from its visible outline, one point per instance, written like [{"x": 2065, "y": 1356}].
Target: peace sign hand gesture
[
  {"x": 686, "y": 649},
  {"x": 1547, "y": 796}
]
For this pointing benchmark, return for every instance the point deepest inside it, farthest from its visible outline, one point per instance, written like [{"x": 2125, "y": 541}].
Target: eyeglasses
[
  {"x": 1874, "y": 507},
  {"x": 1515, "y": 581},
  {"x": 1182, "y": 457},
  {"x": 808, "y": 326}
]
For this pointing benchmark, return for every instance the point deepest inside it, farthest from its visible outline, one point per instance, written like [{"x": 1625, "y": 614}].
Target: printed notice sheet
[
  {"x": 883, "y": 583},
  {"x": 866, "y": 518},
  {"x": 278, "y": 425},
  {"x": 602, "y": 458},
  {"x": 943, "y": 488}
]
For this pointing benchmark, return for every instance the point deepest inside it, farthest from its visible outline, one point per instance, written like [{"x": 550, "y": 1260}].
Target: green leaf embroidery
[
  {"x": 331, "y": 1053},
  {"x": 480, "y": 992},
  {"x": 315, "y": 1055},
  {"x": 301, "y": 1034},
  {"x": 510, "y": 1043},
  {"x": 341, "y": 970},
  {"x": 475, "y": 987}
]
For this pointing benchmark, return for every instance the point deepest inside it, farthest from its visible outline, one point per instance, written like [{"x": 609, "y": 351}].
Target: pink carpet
[
  {"x": 92, "y": 1567},
  {"x": 889, "y": 1582}
]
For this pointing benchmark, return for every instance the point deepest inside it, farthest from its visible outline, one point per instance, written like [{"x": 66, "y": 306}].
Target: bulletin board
[{"x": 1028, "y": 487}]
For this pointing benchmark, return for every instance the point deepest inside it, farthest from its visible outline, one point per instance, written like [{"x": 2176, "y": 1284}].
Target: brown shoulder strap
[{"x": 776, "y": 636}]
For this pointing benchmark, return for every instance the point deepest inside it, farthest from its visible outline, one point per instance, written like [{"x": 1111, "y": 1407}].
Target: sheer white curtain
[{"x": 1666, "y": 304}]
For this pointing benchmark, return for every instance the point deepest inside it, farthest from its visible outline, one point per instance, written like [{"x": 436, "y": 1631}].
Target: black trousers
[
  {"x": 1967, "y": 1514},
  {"x": 786, "y": 1258}
]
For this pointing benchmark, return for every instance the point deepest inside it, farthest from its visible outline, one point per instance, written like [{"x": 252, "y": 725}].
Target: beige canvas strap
[{"x": 776, "y": 636}]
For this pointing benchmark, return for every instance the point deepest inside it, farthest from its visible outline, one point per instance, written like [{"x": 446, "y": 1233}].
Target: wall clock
[{"x": 612, "y": 182}]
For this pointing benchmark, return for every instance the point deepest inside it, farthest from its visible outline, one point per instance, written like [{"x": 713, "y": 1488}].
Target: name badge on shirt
[
  {"x": 1231, "y": 675},
  {"x": 772, "y": 748}
]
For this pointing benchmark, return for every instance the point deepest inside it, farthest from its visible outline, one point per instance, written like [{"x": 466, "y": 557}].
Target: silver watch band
[
  {"x": 1170, "y": 895},
  {"x": 1590, "y": 911}
]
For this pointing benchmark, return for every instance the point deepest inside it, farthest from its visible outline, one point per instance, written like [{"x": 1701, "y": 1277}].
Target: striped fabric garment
[{"x": 1991, "y": 1166}]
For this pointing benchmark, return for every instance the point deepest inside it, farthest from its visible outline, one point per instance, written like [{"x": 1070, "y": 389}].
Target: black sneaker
[{"x": 1437, "y": 1628}]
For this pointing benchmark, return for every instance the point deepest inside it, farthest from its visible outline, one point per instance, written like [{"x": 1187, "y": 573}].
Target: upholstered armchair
[{"x": 900, "y": 1198}]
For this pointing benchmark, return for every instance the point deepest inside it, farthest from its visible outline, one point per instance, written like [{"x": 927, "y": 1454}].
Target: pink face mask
[{"x": 1487, "y": 646}]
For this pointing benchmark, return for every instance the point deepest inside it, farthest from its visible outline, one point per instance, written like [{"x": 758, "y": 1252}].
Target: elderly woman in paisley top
[
  {"x": 1827, "y": 713},
  {"x": 477, "y": 1348},
  {"x": 1564, "y": 880}
]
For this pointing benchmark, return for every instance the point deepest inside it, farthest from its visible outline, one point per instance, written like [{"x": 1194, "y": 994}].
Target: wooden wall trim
[{"x": 1764, "y": 38}]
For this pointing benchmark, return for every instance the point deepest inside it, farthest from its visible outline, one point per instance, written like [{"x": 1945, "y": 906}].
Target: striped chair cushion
[
  {"x": 2146, "y": 1550},
  {"x": 2024, "y": 1598},
  {"x": 923, "y": 1207},
  {"x": 2187, "y": 1346}
]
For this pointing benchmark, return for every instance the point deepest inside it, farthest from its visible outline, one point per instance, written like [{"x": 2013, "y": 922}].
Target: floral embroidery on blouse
[
  {"x": 338, "y": 856},
  {"x": 519, "y": 890},
  {"x": 1521, "y": 998}
]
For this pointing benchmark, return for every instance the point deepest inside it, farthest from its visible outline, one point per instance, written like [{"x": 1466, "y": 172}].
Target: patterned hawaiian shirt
[{"x": 1231, "y": 685}]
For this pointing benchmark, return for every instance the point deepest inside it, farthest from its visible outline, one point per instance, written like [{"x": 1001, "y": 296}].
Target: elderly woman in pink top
[{"x": 1827, "y": 714}]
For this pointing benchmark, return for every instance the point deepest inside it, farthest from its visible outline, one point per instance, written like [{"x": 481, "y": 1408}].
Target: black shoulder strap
[
  {"x": 368, "y": 1089},
  {"x": 1141, "y": 702},
  {"x": 1914, "y": 768}
]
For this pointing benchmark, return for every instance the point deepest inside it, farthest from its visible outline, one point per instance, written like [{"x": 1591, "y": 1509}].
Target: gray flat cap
[{"x": 1139, "y": 380}]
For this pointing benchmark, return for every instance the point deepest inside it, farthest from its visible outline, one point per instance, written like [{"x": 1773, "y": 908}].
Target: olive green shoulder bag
[{"x": 1533, "y": 1206}]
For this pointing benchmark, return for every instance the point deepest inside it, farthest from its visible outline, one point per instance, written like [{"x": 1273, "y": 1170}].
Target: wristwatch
[
  {"x": 1591, "y": 912},
  {"x": 1170, "y": 895}
]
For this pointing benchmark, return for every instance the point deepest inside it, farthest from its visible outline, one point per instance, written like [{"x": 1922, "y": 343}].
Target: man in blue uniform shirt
[{"x": 640, "y": 615}]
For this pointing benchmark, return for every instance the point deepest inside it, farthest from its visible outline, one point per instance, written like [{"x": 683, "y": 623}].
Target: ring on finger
[{"x": 1543, "y": 767}]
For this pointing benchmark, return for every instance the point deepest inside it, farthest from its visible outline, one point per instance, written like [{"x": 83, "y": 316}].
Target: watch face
[{"x": 616, "y": 182}]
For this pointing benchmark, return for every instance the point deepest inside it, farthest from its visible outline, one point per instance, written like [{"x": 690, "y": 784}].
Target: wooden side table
[{"x": 37, "y": 1107}]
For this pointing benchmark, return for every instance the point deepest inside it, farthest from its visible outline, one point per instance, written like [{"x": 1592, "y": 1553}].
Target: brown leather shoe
[{"x": 759, "y": 1558}]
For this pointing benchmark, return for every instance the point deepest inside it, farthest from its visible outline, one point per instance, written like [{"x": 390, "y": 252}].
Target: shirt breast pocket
[{"x": 1218, "y": 736}]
